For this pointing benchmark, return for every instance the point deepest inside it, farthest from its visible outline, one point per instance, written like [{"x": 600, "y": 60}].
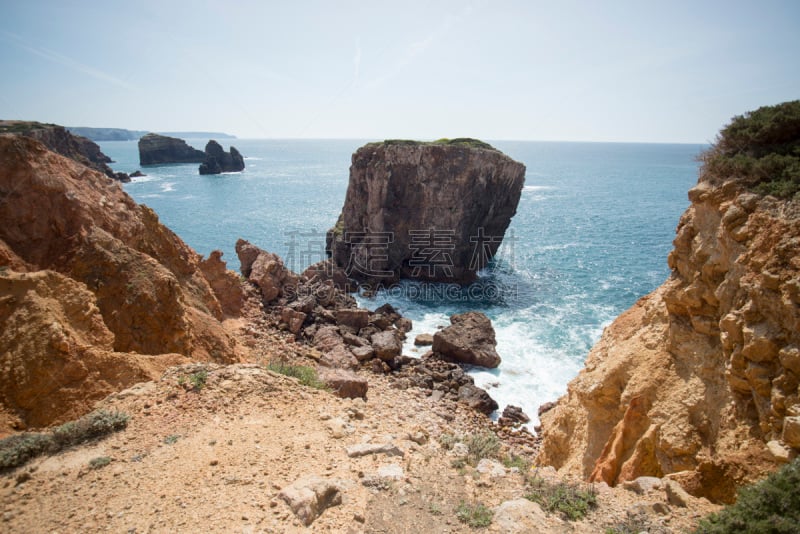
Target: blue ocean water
[{"x": 591, "y": 236}]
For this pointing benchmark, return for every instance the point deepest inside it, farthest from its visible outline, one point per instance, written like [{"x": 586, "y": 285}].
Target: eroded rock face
[
  {"x": 217, "y": 161},
  {"x": 157, "y": 149},
  {"x": 83, "y": 150},
  {"x": 146, "y": 286},
  {"x": 424, "y": 210},
  {"x": 698, "y": 376}
]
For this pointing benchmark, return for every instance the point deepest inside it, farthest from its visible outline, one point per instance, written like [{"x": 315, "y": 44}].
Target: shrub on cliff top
[
  {"x": 772, "y": 505},
  {"x": 18, "y": 449},
  {"x": 762, "y": 148}
]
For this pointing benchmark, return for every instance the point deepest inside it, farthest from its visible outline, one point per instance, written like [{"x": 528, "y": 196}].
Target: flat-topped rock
[{"x": 157, "y": 149}]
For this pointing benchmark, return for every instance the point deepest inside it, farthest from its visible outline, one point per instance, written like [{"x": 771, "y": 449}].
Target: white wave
[
  {"x": 252, "y": 158},
  {"x": 153, "y": 195},
  {"x": 537, "y": 187},
  {"x": 144, "y": 179},
  {"x": 167, "y": 187}
]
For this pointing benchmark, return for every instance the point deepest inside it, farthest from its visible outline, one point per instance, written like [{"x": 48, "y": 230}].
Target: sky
[{"x": 615, "y": 71}]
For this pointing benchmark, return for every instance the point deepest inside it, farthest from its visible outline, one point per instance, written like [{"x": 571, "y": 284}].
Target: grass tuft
[
  {"x": 474, "y": 515},
  {"x": 100, "y": 461},
  {"x": 306, "y": 375},
  {"x": 572, "y": 501}
]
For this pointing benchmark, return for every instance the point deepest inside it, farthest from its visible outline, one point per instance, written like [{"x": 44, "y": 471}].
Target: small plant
[
  {"x": 172, "y": 439},
  {"x": 772, "y": 505},
  {"x": 18, "y": 449},
  {"x": 474, "y": 515},
  {"x": 572, "y": 501},
  {"x": 100, "y": 461},
  {"x": 633, "y": 524},
  {"x": 306, "y": 375},
  {"x": 520, "y": 462},
  {"x": 480, "y": 446},
  {"x": 198, "y": 379},
  {"x": 435, "y": 509},
  {"x": 448, "y": 440}
]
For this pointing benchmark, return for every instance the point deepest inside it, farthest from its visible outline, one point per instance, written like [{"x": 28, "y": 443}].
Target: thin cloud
[{"x": 65, "y": 61}]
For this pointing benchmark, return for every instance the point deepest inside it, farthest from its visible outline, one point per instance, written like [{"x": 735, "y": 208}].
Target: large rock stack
[{"x": 430, "y": 211}]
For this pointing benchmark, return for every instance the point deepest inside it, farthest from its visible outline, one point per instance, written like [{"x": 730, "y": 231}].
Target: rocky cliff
[
  {"x": 157, "y": 149},
  {"x": 217, "y": 160},
  {"x": 60, "y": 140},
  {"x": 431, "y": 211},
  {"x": 96, "y": 293},
  {"x": 699, "y": 380}
]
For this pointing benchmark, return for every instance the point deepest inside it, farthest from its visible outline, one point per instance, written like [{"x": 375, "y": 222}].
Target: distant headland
[{"x": 121, "y": 134}]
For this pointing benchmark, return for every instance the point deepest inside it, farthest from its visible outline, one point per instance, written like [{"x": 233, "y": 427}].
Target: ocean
[{"x": 591, "y": 236}]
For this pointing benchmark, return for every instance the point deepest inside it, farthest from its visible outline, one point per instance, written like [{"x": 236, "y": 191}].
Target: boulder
[
  {"x": 267, "y": 271},
  {"x": 309, "y": 496},
  {"x": 328, "y": 271},
  {"x": 430, "y": 211},
  {"x": 353, "y": 318},
  {"x": 386, "y": 345},
  {"x": 791, "y": 431},
  {"x": 345, "y": 384},
  {"x": 155, "y": 149},
  {"x": 423, "y": 340},
  {"x": 293, "y": 319},
  {"x": 477, "y": 399},
  {"x": 217, "y": 161},
  {"x": 469, "y": 339},
  {"x": 513, "y": 415}
]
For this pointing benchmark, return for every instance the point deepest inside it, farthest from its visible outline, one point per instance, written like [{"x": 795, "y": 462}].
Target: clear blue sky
[{"x": 669, "y": 71}]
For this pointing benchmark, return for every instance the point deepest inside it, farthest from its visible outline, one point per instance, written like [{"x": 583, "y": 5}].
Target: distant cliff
[
  {"x": 95, "y": 293},
  {"x": 699, "y": 380},
  {"x": 157, "y": 149},
  {"x": 431, "y": 211}
]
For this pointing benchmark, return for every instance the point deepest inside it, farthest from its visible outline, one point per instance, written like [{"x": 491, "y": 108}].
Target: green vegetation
[
  {"x": 479, "y": 446},
  {"x": 466, "y": 142},
  {"x": 520, "y": 462},
  {"x": 18, "y": 449},
  {"x": 100, "y": 461},
  {"x": 306, "y": 375},
  {"x": 172, "y": 439},
  {"x": 195, "y": 381},
  {"x": 633, "y": 524},
  {"x": 17, "y": 127},
  {"x": 474, "y": 515},
  {"x": 762, "y": 148},
  {"x": 772, "y": 505},
  {"x": 572, "y": 501}
]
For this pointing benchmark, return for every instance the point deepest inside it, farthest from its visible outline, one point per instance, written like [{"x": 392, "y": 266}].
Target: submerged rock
[{"x": 430, "y": 211}]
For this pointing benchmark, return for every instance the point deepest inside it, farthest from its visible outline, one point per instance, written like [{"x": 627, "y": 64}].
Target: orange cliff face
[
  {"x": 699, "y": 379},
  {"x": 95, "y": 293}
]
